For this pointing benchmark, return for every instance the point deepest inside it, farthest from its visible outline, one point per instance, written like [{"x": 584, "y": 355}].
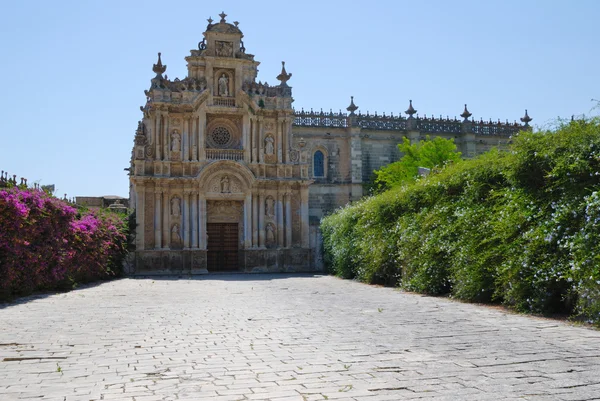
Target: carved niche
[
  {"x": 269, "y": 146},
  {"x": 270, "y": 207},
  {"x": 175, "y": 206},
  {"x": 271, "y": 235},
  {"x": 175, "y": 236}
]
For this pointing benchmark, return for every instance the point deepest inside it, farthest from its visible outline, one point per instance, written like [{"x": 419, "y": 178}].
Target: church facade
[{"x": 226, "y": 176}]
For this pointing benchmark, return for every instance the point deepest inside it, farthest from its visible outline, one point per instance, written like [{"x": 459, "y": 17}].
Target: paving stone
[{"x": 284, "y": 337}]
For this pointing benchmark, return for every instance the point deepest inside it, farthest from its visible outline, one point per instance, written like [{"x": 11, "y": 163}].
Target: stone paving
[{"x": 284, "y": 337}]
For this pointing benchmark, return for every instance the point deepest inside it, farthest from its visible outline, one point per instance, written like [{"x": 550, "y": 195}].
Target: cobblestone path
[{"x": 282, "y": 337}]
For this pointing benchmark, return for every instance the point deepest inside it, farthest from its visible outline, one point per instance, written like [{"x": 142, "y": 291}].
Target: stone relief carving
[
  {"x": 225, "y": 186},
  {"x": 224, "y": 211},
  {"x": 270, "y": 206},
  {"x": 270, "y": 234},
  {"x": 175, "y": 237},
  {"x": 175, "y": 206},
  {"x": 175, "y": 141},
  {"x": 269, "y": 145},
  {"x": 224, "y": 49},
  {"x": 269, "y": 125},
  {"x": 294, "y": 156},
  {"x": 223, "y": 85},
  {"x": 176, "y": 122}
]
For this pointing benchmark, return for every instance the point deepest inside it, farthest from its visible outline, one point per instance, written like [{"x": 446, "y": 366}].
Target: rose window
[{"x": 221, "y": 136}]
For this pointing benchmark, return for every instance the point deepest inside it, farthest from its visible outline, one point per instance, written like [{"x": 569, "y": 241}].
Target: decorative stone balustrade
[
  {"x": 224, "y": 154},
  {"x": 425, "y": 125},
  {"x": 224, "y": 101}
]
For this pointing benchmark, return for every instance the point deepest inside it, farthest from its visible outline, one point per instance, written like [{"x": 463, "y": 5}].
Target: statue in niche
[
  {"x": 223, "y": 85},
  {"x": 175, "y": 207},
  {"x": 175, "y": 141},
  {"x": 270, "y": 207},
  {"x": 270, "y": 233},
  {"x": 175, "y": 237},
  {"x": 225, "y": 187},
  {"x": 269, "y": 145}
]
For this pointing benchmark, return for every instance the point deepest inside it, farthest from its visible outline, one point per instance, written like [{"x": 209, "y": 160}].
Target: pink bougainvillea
[{"x": 45, "y": 243}]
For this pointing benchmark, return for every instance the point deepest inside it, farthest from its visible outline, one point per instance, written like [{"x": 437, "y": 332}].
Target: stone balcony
[
  {"x": 224, "y": 101},
  {"x": 224, "y": 154}
]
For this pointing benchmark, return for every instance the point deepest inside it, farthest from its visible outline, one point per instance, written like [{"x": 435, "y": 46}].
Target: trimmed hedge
[
  {"x": 520, "y": 227},
  {"x": 45, "y": 243}
]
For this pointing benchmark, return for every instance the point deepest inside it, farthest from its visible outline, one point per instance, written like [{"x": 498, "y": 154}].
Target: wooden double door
[{"x": 222, "y": 246}]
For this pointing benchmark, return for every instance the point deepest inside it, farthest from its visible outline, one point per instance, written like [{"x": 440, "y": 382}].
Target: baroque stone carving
[
  {"x": 294, "y": 156},
  {"x": 175, "y": 236},
  {"x": 225, "y": 186},
  {"x": 175, "y": 206},
  {"x": 270, "y": 234},
  {"x": 224, "y": 211},
  {"x": 224, "y": 49},
  {"x": 223, "y": 85},
  {"x": 269, "y": 145},
  {"x": 270, "y": 206},
  {"x": 175, "y": 141}
]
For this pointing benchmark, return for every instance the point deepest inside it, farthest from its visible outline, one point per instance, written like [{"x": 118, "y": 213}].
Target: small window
[{"x": 318, "y": 164}]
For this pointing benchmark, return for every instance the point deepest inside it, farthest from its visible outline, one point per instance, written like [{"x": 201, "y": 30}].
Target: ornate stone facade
[{"x": 219, "y": 153}]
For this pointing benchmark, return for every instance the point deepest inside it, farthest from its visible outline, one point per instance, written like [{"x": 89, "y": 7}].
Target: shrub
[
  {"x": 518, "y": 227},
  {"x": 45, "y": 243}
]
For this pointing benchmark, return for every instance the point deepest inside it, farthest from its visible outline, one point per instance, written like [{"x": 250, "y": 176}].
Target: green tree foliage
[
  {"x": 427, "y": 153},
  {"x": 518, "y": 227}
]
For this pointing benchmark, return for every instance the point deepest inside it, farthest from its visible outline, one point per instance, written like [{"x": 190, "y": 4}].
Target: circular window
[{"x": 221, "y": 136}]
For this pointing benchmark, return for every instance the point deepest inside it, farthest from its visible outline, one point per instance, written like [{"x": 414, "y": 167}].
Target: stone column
[
  {"x": 159, "y": 135},
  {"x": 260, "y": 140},
  {"x": 255, "y": 212},
  {"x": 288, "y": 219},
  {"x": 185, "y": 219},
  {"x": 140, "y": 198},
  {"x": 202, "y": 218},
  {"x": 157, "y": 218},
  {"x": 185, "y": 139},
  {"x": 304, "y": 223},
  {"x": 167, "y": 143},
  {"x": 201, "y": 135},
  {"x": 246, "y": 143},
  {"x": 166, "y": 220},
  {"x": 279, "y": 136},
  {"x": 253, "y": 141},
  {"x": 248, "y": 221},
  {"x": 279, "y": 212},
  {"x": 261, "y": 219},
  {"x": 194, "y": 221}
]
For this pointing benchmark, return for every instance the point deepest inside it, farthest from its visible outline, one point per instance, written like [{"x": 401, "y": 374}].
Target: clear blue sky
[{"x": 74, "y": 72}]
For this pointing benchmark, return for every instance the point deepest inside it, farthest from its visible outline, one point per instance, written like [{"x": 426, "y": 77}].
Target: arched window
[{"x": 319, "y": 164}]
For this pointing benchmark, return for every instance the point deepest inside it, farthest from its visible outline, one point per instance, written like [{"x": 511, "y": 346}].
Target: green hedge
[{"x": 519, "y": 227}]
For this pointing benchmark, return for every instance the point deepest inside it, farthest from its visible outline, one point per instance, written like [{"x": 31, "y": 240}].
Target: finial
[
  {"x": 210, "y": 21},
  {"x": 352, "y": 108},
  {"x": 283, "y": 76},
  {"x": 411, "y": 110},
  {"x": 159, "y": 68},
  {"x": 466, "y": 114},
  {"x": 526, "y": 119},
  {"x": 236, "y": 23},
  {"x": 222, "y": 15}
]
